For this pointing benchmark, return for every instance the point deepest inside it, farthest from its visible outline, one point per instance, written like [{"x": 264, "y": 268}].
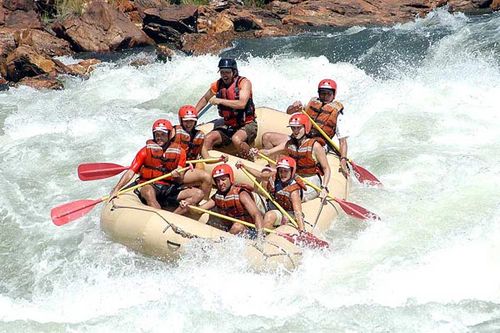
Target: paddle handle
[
  {"x": 232, "y": 219},
  {"x": 204, "y": 110},
  {"x": 320, "y": 130},
  {"x": 268, "y": 196}
]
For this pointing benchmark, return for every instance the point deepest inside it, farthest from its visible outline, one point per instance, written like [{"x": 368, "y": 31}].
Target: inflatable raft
[{"x": 164, "y": 235}]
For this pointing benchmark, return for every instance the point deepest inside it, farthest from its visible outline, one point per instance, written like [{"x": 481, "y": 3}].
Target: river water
[{"x": 422, "y": 100}]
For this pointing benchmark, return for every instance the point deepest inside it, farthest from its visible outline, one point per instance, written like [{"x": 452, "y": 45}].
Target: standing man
[
  {"x": 160, "y": 156},
  {"x": 327, "y": 113},
  {"x": 233, "y": 96}
]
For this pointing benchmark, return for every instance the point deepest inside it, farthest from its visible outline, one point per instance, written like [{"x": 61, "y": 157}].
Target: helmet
[
  {"x": 328, "y": 84},
  {"x": 223, "y": 169},
  {"x": 227, "y": 63},
  {"x": 287, "y": 162},
  {"x": 162, "y": 125},
  {"x": 188, "y": 112},
  {"x": 298, "y": 119}
]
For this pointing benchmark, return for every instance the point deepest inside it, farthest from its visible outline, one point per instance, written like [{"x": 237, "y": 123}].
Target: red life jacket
[
  {"x": 230, "y": 204},
  {"x": 159, "y": 162},
  {"x": 325, "y": 115},
  {"x": 234, "y": 117},
  {"x": 282, "y": 192},
  {"x": 190, "y": 143},
  {"x": 306, "y": 165}
]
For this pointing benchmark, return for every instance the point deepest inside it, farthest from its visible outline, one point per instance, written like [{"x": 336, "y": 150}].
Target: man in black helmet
[{"x": 233, "y": 96}]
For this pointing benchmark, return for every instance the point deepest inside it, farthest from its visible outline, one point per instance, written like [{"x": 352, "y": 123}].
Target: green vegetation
[{"x": 67, "y": 8}]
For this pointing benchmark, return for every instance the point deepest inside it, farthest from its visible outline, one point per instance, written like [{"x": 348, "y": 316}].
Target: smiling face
[
  {"x": 161, "y": 137},
  {"x": 223, "y": 183},
  {"x": 325, "y": 95},
  {"x": 188, "y": 124},
  {"x": 227, "y": 75},
  {"x": 298, "y": 131},
  {"x": 285, "y": 174}
]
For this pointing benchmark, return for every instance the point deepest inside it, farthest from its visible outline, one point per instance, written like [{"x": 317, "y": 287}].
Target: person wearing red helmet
[
  {"x": 285, "y": 189},
  {"x": 309, "y": 154},
  {"x": 160, "y": 156},
  {"x": 233, "y": 200},
  {"x": 327, "y": 113},
  {"x": 233, "y": 96}
]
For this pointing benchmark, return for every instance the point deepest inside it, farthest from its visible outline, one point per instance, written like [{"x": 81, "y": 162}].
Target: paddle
[
  {"x": 68, "y": 212},
  {"x": 349, "y": 208},
  {"x": 204, "y": 110},
  {"x": 95, "y": 171},
  {"x": 301, "y": 239},
  {"x": 362, "y": 175}
]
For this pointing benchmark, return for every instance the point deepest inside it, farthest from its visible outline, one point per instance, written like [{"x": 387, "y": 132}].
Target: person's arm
[
  {"x": 320, "y": 155},
  {"x": 295, "y": 107},
  {"x": 209, "y": 205},
  {"x": 279, "y": 148},
  {"x": 245, "y": 92},
  {"x": 343, "y": 157},
  {"x": 251, "y": 207},
  {"x": 258, "y": 174},
  {"x": 176, "y": 175},
  {"x": 129, "y": 174},
  {"x": 297, "y": 208},
  {"x": 204, "y": 100}
]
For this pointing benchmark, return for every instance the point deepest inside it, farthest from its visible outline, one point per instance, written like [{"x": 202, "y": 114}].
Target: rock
[
  {"x": 25, "y": 61},
  {"x": 220, "y": 23},
  {"x": 495, "y": 5},
  {"x": 101, "y": 28},
  {"x": 13, "y": 5},
  {"x": 41, "y": 82},
  {"x": 23, "y": 19},
  {"x": 7, "y": 41},
  {"x": 4, "y": 84},
  {"x": 43, "y": 42},
  {"x": 180, "y": 18},
  {"x": 84, "y": 67},
  {"x": 164, "y": 53},
  {"x": 2, "y": 15},
  {"x": 204, "y": 43}
]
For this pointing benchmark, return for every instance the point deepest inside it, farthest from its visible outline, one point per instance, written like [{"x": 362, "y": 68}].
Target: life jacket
[
  {"x": 191, "y": 143},
  {"x": 282, "y": 192},
  {"x": 306, "y": 165},
  {"x": 234, "y": 117},
  {"x": 325, "y": 115},
  {"x": 230, "y": 204},
  {"x": 159, "y": 162}
]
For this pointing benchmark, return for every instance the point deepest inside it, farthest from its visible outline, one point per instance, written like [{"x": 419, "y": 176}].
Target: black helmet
[{"x": 228, "y": 63}]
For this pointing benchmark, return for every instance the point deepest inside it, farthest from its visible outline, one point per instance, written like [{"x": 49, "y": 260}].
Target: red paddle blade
[
  {"x": 94, "y": 171},
  {"x": 364, "y": 176},
  {"x": 71, "y": 211},
  {"x": 356, "y": 211},
  {"x": 305, "y": 239}
]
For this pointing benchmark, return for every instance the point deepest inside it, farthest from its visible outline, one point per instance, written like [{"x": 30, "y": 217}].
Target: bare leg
[
  {"x": 238, "y": 140},
  {"x": 269, "y": 219},
  {"x": 273, "y": 139},
  {"x": 211, "y": 139},
  {"x": 192, "y": 195},
  {"x": 237, "y": 229},
  {"x": 148, "y": 193},
  {"x": 199, "y": 178}
]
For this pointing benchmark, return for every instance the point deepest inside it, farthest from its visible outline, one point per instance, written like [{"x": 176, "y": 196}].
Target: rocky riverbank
[{"x": 32, "y": 35}]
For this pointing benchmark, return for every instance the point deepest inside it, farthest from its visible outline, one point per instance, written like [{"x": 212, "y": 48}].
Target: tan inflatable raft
[{"x": 162, "y": 234}]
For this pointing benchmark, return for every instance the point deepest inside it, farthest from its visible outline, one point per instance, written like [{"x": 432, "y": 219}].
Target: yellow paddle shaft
[
  {"x": 232, "y": 219},
  {"x": 263, "y": 190}
]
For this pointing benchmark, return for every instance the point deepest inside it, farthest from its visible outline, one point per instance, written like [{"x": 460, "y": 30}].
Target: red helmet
[
  {"x": 300, "y": 119},
  {"x": 223, "y": 169},
  {"x": 188, "y": 112},
  {"x": 328, "y": 84},
  {"x": 287, "y": 162},
  {"x": 162, "y": 125}
]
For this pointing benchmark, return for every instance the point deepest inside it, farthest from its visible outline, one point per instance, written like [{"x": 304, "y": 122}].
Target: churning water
[{"x": 422, "y": 99}]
